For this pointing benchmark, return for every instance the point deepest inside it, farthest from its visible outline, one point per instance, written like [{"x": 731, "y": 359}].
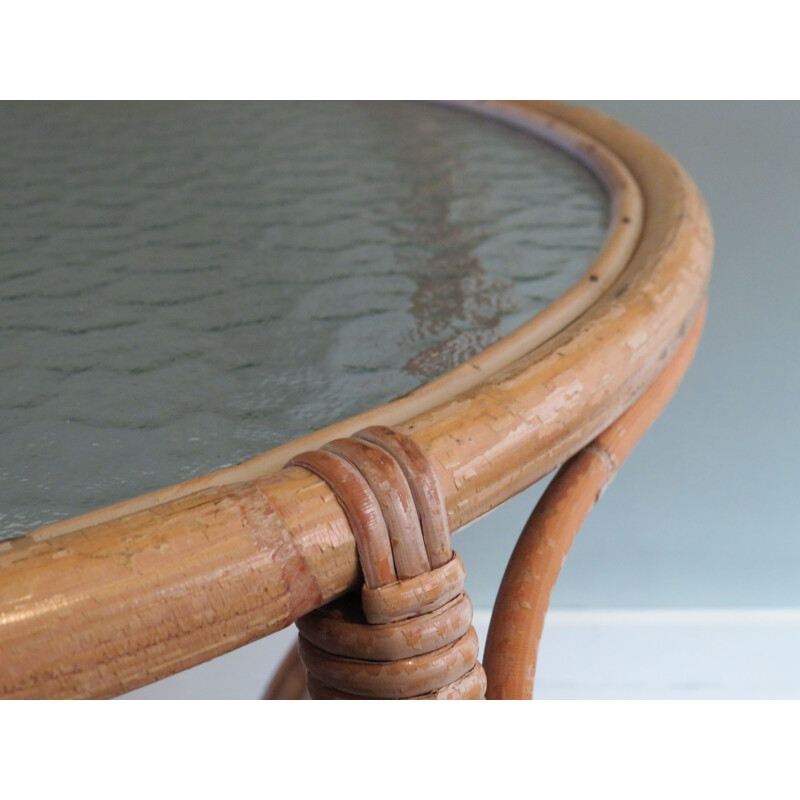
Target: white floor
[
  {"x": 597, "y": 654},
  {"x": 671, "y": 654}
]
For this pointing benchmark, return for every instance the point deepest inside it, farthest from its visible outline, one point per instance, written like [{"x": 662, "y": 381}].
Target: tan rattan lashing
[
  {"x": 188, "y": 573},
  {"x": 395, "y": 499},
  {"x": 413, "y": 636}
]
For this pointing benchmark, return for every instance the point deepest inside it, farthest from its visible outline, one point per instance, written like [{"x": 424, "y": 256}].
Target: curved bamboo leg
[
  {"x": 524, "y": 595},
  {"x": 289, "y": 681}
]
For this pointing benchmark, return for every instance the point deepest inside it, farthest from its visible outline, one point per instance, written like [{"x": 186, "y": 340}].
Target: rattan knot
[{"x": 409, "y": 635}]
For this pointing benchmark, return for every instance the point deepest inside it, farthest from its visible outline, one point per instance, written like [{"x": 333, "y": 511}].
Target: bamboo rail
[{"x": 119, "y": 598}]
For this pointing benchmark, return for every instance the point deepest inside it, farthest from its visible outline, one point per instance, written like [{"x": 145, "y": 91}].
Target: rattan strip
[
  {"x": 340, "y": 628},
  {"x": 412, "y": 637},
  {"x": 393, "y": 494},
  {"x": 425, "y": 487},
  {"x": 393, "y": 679},
  {"x": 418, "y": 595},
  {"x": 471, "y": 686},
  {"x": 362, "y": 510}
]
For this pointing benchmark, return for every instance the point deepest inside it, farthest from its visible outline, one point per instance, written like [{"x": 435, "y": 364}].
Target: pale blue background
[{"x": 705, "y": 513}]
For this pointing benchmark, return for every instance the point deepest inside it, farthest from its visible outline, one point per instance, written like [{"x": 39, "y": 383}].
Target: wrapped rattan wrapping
[{"x": 408, "y": 638}]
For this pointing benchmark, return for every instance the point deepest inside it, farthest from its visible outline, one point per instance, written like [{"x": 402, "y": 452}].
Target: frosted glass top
[{"x": 186, "y": 285}]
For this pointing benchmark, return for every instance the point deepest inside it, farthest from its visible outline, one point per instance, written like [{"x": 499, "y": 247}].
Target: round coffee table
[{"x": 190, "y": 286}]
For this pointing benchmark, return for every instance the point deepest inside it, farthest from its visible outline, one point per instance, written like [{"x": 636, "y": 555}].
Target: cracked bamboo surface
[{"x": 112, "y": 600}]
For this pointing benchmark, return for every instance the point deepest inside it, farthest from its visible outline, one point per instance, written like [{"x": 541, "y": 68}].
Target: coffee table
[{"x": 190, "y": 286}]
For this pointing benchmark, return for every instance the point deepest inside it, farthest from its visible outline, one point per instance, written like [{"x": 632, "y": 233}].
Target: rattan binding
[{"x": 411, "y": 634}]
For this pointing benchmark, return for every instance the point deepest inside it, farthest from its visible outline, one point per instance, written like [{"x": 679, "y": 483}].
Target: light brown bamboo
[
  {"x": 391, "y": 490},
  {"x": 361, "y": 508},
  {"x": 339, "y": 628},
  {"x": 393, "y": 679},
  {"x": 518, "y": 618},
  {"x": 115, "y": 599},
  {"x": 471, "y": 686},
  {"x": 93, "y": 614},
  {"x": 413, "y": 596},
  {"x": 425, "y": 489}
]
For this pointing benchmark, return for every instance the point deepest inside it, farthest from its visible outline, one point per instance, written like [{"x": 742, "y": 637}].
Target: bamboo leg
[{"x": 524, "y": 596}]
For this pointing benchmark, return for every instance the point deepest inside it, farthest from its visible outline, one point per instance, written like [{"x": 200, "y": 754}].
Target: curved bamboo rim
[{"x": 119, "y": 598}]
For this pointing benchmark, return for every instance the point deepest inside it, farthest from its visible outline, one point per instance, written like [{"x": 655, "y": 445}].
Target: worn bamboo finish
[
  {"x": 518, "y": 616},
  {"x": 396, "y": 502},
  {"x": 406, "y": 678},
  {"x": 471, "y": 686},
  {"x": 409, "y": 637},
  {"x": 340, "y": 628},
  {"x": 361, "y": 509},
  {"x": 115, "y": 599},
  {"x": 418, "y": 595},
  {"x": 426, "y": 491}
]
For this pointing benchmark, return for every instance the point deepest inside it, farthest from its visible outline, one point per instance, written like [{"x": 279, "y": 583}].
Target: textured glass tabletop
[{"x": 185, "y": 286}]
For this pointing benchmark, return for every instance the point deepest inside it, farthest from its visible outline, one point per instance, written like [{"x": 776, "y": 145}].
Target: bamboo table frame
[{"x": 112, "y": 600}]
